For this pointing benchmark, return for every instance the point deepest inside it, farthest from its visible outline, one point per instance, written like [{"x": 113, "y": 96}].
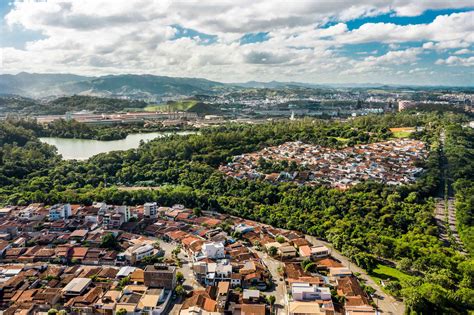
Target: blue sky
[{"x": 392, "y": 42}]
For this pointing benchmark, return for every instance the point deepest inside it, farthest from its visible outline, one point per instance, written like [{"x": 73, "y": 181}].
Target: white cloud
[
  {"x": 456, "y": 61},
  {"x": 109, "y": 36},
  {"x": 464, "y": 51}
]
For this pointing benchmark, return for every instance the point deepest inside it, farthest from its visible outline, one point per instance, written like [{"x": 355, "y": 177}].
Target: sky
[{"x": 419, "y": 42}]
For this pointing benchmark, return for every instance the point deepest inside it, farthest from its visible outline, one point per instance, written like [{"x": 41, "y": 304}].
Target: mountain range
[
  {"x": 127, "y": 85},
  {"x": 144, "y": 87}
]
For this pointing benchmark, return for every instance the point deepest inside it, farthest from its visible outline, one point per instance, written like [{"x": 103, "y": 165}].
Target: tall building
[
  {"x": 150, "y": 210},
  {"x": 160, "y": 276},
  {"x": 60, "y": 211}
]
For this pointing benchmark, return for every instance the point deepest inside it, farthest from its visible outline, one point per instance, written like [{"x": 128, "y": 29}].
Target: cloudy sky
[{"x": 330, "y": 41}]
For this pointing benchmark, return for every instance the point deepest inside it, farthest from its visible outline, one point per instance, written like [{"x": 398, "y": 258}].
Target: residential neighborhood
[
  {"x": 152, "y": 259},
  {"x": 392, "y": 162}
]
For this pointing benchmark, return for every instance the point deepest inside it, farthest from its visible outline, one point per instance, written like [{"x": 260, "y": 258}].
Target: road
[
  {"x": 446, "y": 218},
  {"x": 281, "y": 296},
  {"x": 445, "y": 212},
  {"x": 190, "y": 282},
  {"x": 386, "y": 303}
]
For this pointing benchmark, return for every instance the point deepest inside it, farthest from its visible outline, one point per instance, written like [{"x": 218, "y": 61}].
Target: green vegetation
[
  {"x": 189, "y": 105},
  {"x": 74, "y": 129},
  {"x": 367, "y": 223},
  {"x": 59, "y": 106},
  {"x": 173, "y": 106},
  {"x": 109, "y": 241},
  {"x": 401, "y": 134},
  {"x": 383, "y": 272},
  {"x": 460, "y": 156}
]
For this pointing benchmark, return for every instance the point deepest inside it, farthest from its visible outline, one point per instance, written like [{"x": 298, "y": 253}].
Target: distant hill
[
  {"x": 59, "y": 106},
  {"x": 118, "y": 86},
  {"x": 149, "y": 87},
  {"x": 204, "y": 109}
]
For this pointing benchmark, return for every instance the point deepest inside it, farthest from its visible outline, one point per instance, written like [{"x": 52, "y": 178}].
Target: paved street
[
  {"x": 281, "y": 297},
  {"x": 386, "y": 303}
]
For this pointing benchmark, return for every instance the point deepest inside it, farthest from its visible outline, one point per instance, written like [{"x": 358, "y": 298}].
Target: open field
[
  {"x": 173, "y": 106},
  {"x": 383, "y": 272},
  {"x": 402, "y": 132}
]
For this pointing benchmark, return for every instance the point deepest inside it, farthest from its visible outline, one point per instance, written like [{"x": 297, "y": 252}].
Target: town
[
  {"x": 151, "y": 259},
  {"x": 392, "y": 162}
]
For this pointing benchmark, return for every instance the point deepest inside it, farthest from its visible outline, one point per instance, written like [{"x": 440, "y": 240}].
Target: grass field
[
  {"x": 173, "y": 106},
  {"x": 382, "y": 272},
  {"x": 403, "y": 132}
]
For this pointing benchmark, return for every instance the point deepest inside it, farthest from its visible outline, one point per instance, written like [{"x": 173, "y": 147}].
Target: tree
[
  {"x": 280, "y": 239},
  {"x": 271, "y": 300},
  {"x": 121, "y": 311},
  {"x": 52, "y": 311},
  {"x": 180, "y": 290},
  {"x": 197, "y": 212},
  {"x": 179, "y": 277},
  {"x": 109, "y": 241},
  {"x": 272, "y": 251}
]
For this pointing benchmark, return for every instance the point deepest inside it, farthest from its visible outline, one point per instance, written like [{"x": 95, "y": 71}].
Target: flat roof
[{"x": 77, "y": 285}]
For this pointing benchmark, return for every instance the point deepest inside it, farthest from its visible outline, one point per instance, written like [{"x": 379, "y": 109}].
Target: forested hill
[
  {"x": 133, "y": 86},
  {"x": 26, "y": 106},
  {"x": 368, "y": 223}
]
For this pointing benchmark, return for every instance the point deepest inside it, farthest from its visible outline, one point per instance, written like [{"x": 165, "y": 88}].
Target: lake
[{"x": 82, "y": 149}]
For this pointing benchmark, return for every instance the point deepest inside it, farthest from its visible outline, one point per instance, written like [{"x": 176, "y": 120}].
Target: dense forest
[
  {"x": 77, "y": 130},
  {"x": 61, "y": 105},
  {"x": 367, "y": 223}
]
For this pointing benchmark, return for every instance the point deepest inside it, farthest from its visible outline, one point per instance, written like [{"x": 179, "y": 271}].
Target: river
[{"x": 82, "y": 149}]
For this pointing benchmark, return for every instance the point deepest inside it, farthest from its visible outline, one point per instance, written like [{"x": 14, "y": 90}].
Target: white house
[
  {"x": 137, "y": 252},
  {"x": 217, "y": 272},
  {"x": 59, "y": 211},
  {"x": 211, "y": 250},
  {"x": 319, "y": 251},
  {"x": 307, "y": 292}
]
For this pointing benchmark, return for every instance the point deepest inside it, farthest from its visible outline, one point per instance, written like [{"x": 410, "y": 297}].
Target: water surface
[{"x": 82, "y": 149}]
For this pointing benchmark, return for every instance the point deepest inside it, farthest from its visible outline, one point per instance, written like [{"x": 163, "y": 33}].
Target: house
[
  {"x": 217, "y": 272},
  {"x": 211, "y": 250},
  {"x": 222, "y": 295},
  {"x": 319, "y": 251},
  {"x": 199, "y": 303},
  {"x": 339, "y": 272},
  {"x": 308, "y": 292},
  {"x": 4, "y": 245},
  {"x": 287, "y": 251},
  {"x": 76, "y": 287},
  {"x": 59, "y": 211},
  {"x": 243, "y": 228},
  {"x": 305, "y": 308},
  {"x": 136, "y": 253},
  {"x": 250, "y": 309},
  {"x": 125, "y": 271},
  {"x": 160, "y": 276},
  {"x": 106, "y": 304},
  {"x": 358, "y": 305},
  {"x": 78, "y": 235},
  {"x": 251, "y": 296},
  {"x": 305, "y": 251},
  {"x": 78, "y": 254},
  {"x": 235, "y": 280},
  {"x": 357, "y": 301}
]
